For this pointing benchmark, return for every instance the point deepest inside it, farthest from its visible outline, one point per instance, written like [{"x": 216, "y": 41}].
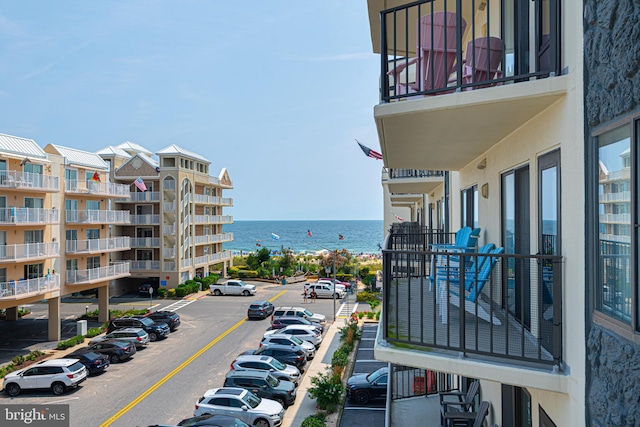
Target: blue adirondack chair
[
  {"x": 472, "y": 290},
  {"x": 451, "y": 273},
  {"x": 466, "y": 241}
]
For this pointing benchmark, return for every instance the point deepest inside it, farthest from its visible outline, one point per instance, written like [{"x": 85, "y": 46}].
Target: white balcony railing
[
  {"x": 169, "y": 206},
  {"x": 213, "y": 219},
  {"x": 169, "y": 229},
  {"x": 139, "y": 196},
  {"x": 110, "y": 244},
  {"x": 114, "y": 271},
  {"x": 623, "y": 196},
  {"x": 98, "y": 217},
  {"x": 13, "y": 215},
  {"x": 40, "y": 285},
  {"x": 145, "y": 219},
  {"x": 145, "y": 242},
  {"x": 27, "y": 251},
  {"x": 616, "y": 218},
  {"x": 168, "y": 185},
  {"x": 29, "y": 181},
  {"x": 94, "y": 187},
  {"x": 145, "y": 265},
  {"x": 169, "y": 266},
  {"x": 169, "y": 252},
  {"x": 213, "y": 238}
]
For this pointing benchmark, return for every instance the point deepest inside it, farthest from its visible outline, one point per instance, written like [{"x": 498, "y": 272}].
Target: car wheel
[
  {"x": 114, "y": 358},
  {"x": 217, "y": 292},
  {"x": 281, "y": 401},
  {"x": 12, "y": 389},
  {"x": 261, "y": 422},
  {"x": 245, "y": 293},
  {"x": 153, "y": 336},
  {"x": 58, "y": 388},
  {"x": 362, "y": 397}
]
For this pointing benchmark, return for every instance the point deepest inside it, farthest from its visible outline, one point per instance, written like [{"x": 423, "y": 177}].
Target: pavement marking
[
  {"x": 358, "y": 408},
  {"x": 367, "y": 360},
  {"x": 171, "y": 374}
]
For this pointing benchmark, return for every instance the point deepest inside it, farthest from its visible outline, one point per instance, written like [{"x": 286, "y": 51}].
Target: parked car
[
  {"x": 156, "y": 330},
  {"x": 289, "y": 341},
  {"x": 164, "y": 316},
  {"x": 143, "y": 290},
  {"x": 95, "y": 363},
  {"x": 300, "y": 312},
  {"x": 260, "y": 310},
  {"x": 209, "y": 420},
  {"x": 281, "y": 322},
  {"x": 363, "y": 388},
  {"x": 304, "y": 332},
  {"x": 233, "y": 287},
  {"x": 242, "y": 404},
  {"x": 280, "y": 370},
  {"x": 263, "y": 384},
  {"x": 345, "y": 285},
  {"x": 136, "y": 336},
  {"x": 291, "y": 356},
  {"x": 56, "y": 374},
  {"x": 116, "y": 350},
  {"x": 325, "y": 290}
]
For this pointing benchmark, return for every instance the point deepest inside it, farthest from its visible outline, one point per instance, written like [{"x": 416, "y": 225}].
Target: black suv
[
  {"x": 169, "y": 317},
  {"x": 156, "y": 330},
  {"x": 263, "y": 384}
]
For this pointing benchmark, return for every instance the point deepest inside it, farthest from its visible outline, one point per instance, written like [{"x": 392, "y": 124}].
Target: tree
[{"x": 264, "y": 254}]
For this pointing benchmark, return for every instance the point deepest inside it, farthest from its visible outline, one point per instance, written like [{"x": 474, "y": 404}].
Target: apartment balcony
[
  {"x": 213, "y": 219},
  {"x": 212, "y": 200},
  {"x": 138, "y": 196},
  {"x": 622, "y": 218},
  {"x": 408, "y": 181},
  {"x": 26, "y": 181},
  {"x": 28, "y": 216},
  {"x": 213, "y": 238},
  {"x": 440, "y": 91},
  {"x": 145, "y": 242},
  {"x": 148, "y": 265},
  {"x": 509, "y": 320},
  {"x": 29, "y": 252},
  {"x": 149, "y": 219},
  {"x": 99, "y": 274},
  {"x": 92, "y": 246},
  {"x": 212, "y": 258},
  {"x": 169, "y": 230},
  {"x": 169, "y": 266},
  {"x": 98, "y": 217},
  {"x": 31, "y": 287},
  {"x": 620, "y": 197},
  {"x": 215, "y": 181},
  {"x": 169, "y": 206},
  {"x": 101, "y": 189},
  {"x": 169, "y": 253}
]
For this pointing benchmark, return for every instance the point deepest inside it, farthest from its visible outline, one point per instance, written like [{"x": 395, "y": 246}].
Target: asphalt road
[{"x": 162, "y": 383}]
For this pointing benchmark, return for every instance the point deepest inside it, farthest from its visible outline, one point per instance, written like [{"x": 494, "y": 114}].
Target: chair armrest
[
  {"x": 464, "y": 406},
  {"x": 460, "y": 416},
  {"x": 401, "y": 65},
  {"x": 457, "y": 394}
]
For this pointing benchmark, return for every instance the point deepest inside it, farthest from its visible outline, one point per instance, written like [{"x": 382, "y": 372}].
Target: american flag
[
  {"x": 369, "y": 152},
  {"x": 398, "y": 218},
  {"x": 140, "y": 184},
  {"x": 309, "y": 233}
]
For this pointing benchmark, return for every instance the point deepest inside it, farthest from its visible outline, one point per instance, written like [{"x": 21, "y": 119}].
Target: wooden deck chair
[
  {"x": 451, "y": 274},
  {"x": 472, "y": 291},
  {"x": 436, "y": 49},
  {"x": 468, "y": 419},
  {"x": 482, "y": 61},
  {"x": 458, "y": 401}
]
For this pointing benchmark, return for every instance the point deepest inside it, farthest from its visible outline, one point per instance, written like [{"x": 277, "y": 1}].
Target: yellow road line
[{"x": 176, "y": 370}]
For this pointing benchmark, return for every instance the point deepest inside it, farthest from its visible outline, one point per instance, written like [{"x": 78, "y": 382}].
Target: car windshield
[
  {"x": 146, "y": 321},
  {"x": 277, "y": 364},
  {"x": 296, "y": 340},
  {"x": 304, "y": 321},
  {"x": 272, "y": 381},
  {"x": 76, "y": 366},
  {"x": 91, "y": 355},
  {"x": 242, "y": 283},
  {"x": 375, "y": 375},
  {"x": 251, "y": 400},
  {"x": 307, "y": 312}
]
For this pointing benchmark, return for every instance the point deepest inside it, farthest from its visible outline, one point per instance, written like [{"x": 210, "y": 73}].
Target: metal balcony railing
[
  {"x": 114, "y": 271},
  {"x": 16, "y": 289},
  {"x": 98, "y": 217},
  {"x": 25, "y": 216},
  {"x": 140, "y": 196},
  {"x": 414, "y": 173},
  {"x": 148, "y": 219},
  {"x": 422, "y": 56},
  {"x": 145, "y": 265},
  {"x": 27, "y": 251},
  {"x": 98, "y": 245},
  {"x": 108, "y": 189},
  {"x": 29, "y": 181},
  {"x": 145, "y": 242},
  {"x": 512, "y": 310}
]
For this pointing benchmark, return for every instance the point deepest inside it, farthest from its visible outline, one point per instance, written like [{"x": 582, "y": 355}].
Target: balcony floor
[{"x": 420, "y": 323}]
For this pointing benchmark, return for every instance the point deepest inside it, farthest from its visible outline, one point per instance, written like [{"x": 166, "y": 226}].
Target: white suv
[
  {"x": 242, "y": 404},
  {"x": 56, "y": 374},
  {"x": 325, "y": 290}
]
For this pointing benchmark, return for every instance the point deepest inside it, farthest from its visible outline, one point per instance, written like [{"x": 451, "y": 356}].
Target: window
[
  {"x": 93, "y": 233},
  {"x": 469, "y": 206},
  {"x": 516, "y": 407},
  {"x": 33, "y": 236},
  {"x": 33, "y": 271},
  {"x": 32, "y": 168},
  {"x": 93, "y": 262},
  {"x": 613, "y": 293},
  {"x": 72, "y": 264},
  {"x": 93, "y": 205},
  {"x": 33, "y": 202}
]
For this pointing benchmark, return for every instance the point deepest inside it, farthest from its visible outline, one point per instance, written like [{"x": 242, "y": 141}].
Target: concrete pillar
[
  {"x": 12, "y": 313},
  {"x": 54, "y": 319},
  {"x": 224, "y": 268},
  {"x": 103, "y": 304}
]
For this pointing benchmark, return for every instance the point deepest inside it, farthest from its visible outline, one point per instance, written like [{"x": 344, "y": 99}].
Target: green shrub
[
  {"x": 340, "y": 357},
  {"x": 327, "y": 390},
  {"x": 378, "y": 315},
  {"x": 233, "y": 272},
  {"x": 94, "y": 332},
  {"x": 213, "y": 278},
  {"x": 162, "y": 292},
  {"x": 78, "y": 339},
  {"x": 360, "y": 314},
  {"x": 364, "y": 296},
  {"x": 370, "y": 315},
  {"x": 244, "y": 274},
  {"x": 171, "y": 293},
  {"x": 181, "y": 291},
  {"x": 314, "y": 421}
]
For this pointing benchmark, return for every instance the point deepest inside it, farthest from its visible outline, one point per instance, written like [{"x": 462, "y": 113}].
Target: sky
[{"x": 275, "y": 91}]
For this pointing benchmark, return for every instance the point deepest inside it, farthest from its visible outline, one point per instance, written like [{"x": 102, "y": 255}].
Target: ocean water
[{"x": 359, "y": 236}]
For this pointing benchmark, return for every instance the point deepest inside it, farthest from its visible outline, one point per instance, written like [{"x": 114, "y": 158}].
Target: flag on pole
[
  {"x": 340, "y": 237},
  {"x": 398, "y": 218},
  {"x": 369, "y": 152},
  {"x": 95, "y": 177},
  {"x": 275, "y": 236},
  {"x": 140, "y": 184},
  {"x": 309, "y": 233}
]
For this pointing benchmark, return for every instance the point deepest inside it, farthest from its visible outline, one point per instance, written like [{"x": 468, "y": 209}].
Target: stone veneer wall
[{"x": 612, "y": 63}]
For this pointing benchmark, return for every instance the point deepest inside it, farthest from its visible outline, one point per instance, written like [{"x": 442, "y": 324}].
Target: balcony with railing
[
  {"x": 25, "y": 288},
  {"x": 99, "y": 274},
  {"x": 28, "y": 216},
  {"x": 212, "y": 200},
  {"x": 141, "y": 196},
  {"x": 146, "y": 265},
  {"x": 212, "y": 258},
  {"x": 509, "y": 316},
  {"x": 460, "y": 71},
  {"x": 412, "y": 181},
  {"x": 27, "y": 181},
  {"x": 97, "y": 217},
  {"x": 149, "y": 219},
  {"x": 111, "y": 244},
  {"x": 213, "y": 238},
  {"x": 145, "y": 242},
  {"x": 29, "y": 252},
  {"x": 169, "y": 206},
  {"x": 102, "y": 189}
]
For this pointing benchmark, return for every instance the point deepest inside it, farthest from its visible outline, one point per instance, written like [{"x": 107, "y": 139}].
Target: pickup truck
[{"x": 233, "y": 287}]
